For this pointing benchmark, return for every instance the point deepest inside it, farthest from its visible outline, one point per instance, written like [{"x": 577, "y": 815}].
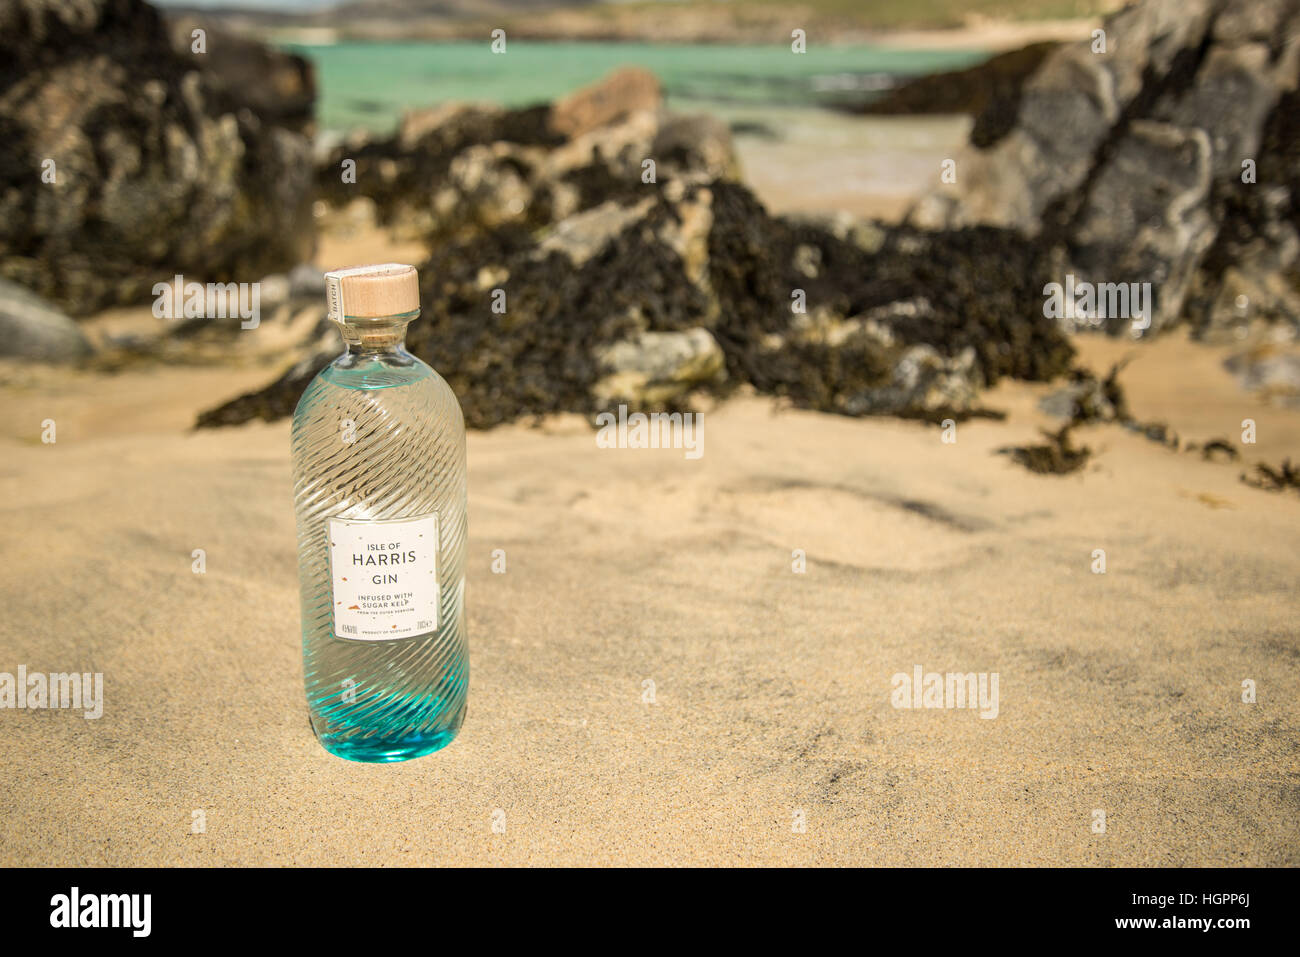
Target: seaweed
[
  {"x": 1058, "y": 456},
  {"x": 1262, "y": 476}
]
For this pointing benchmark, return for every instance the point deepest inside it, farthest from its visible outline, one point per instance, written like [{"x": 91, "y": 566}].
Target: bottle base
[{"x": 388, "y": 750}]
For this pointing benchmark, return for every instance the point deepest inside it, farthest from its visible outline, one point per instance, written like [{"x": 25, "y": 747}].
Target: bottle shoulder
[{"x": 384, "y": 379}]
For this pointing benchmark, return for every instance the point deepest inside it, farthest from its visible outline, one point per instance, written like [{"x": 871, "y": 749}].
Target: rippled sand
[{"x": 771, "y": 689}]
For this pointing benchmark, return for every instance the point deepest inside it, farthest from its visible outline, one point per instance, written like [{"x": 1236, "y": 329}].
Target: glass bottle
[{"x": 378, "y": 446}]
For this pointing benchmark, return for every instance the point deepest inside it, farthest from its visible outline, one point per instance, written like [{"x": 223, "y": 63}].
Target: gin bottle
[{"x": 379, "y": 491}]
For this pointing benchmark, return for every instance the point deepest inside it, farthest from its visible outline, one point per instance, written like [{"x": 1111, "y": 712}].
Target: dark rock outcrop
[
  {"x": 1109, "y": 166},
  {"x": 694, "y": 288},
  {"x": 161, "y": 163},
  {"x": 564, "y": 278},
  {"x": 278, "y": 87},
  {"x": 1164, "y": 158}
]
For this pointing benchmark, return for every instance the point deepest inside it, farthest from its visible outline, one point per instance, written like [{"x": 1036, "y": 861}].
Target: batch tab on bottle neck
[{"x": 372, "y": 292}]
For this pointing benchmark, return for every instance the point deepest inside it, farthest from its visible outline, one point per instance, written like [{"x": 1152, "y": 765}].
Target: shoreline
[{"x": 995, "y": 36}]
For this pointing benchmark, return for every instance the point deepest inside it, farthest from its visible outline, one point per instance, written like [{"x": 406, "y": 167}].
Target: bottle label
[{"x": 385, "y": 577}]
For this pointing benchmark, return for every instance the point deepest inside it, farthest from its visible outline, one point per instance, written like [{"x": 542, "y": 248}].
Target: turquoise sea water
[{"x": 370, "y": 84}]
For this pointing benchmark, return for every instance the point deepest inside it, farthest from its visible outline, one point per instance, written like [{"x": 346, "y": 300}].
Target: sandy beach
[
  {"x": 742, "y": 653},
  {"x": 771, "y": 690}
]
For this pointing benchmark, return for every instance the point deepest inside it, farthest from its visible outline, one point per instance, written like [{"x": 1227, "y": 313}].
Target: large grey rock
[
  {"x": 1145, "y": 218},
  {"x": 1252, "y": 22},
  {"x": 31, "y": 328},
  {"x": 1259, "y": 283},
  {"x": 1234, "y": 91},
  {"x": 1155, "y": 161},
  {"x": 158, "y": 166},
  {"x": 1068, "y": 108},
  {"x": 279, "y": 87}
]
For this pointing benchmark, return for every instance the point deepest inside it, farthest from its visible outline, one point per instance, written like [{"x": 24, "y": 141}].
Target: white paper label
[{"x": 385, "y": 577}]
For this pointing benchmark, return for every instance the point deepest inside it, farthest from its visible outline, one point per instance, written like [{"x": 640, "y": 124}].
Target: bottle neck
[{"x": 376, "y": 336}]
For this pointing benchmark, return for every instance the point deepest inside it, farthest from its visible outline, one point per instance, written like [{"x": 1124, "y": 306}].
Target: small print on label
[{"x": 385, "y": 577}]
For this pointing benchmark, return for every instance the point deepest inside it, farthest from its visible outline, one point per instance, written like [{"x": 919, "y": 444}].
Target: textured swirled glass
[{"x": 379, "y": 436}]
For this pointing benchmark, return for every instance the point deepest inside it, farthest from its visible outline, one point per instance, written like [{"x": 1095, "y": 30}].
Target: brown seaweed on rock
[
  {"x": 561, "y": 282},
  {"x": 538, "y": 356},
  {"x": 1058, "y": 456},
  {"x": 950, "y": 291},
  {"x": 272, "y": 402},
  {"x": 166, "y": 160},
  {"x": 910, "y": 329}
]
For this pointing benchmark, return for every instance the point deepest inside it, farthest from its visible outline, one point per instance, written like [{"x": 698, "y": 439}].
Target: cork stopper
[{"x": 372, "y": 292}]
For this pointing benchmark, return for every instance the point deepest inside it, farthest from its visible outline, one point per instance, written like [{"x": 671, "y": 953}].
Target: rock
[
  {"x": 487, "y": 186},
  {"x": 460, "y": 168},
  {"x": 1149, "y": 185},
  {"x": 583, "y": 235},
  {"x": 922, "y": 384},
  {"x": 688, "y": 233},
  {"x": 1013, "y": 179},
  {"x": 279, "y": 87},
  {"x": 1269, "y": 371},
  {"x": 1250, "y": 22},
  {"x": 446, "y": 118},
  {"x": 1011, "y": 184},
  {"x": 1230, "y": 99},
  {"x": 306, "y": 282},
  {"x": 1250, "y": 273},
  {"x": 865, "y": 234},
  {"x": 1087, "y": 399},
  {"x": 31, "y": 328},
  {"x": 1146, "y": 219},
  {"x": 657, "y": 368},
  {"x": 696, "y": 143},
  {"x": 1250, "y": 292},
  {"x": 158, "y": 167},
  {"x": 457, "y": 170},
  {"x": 275, "y": 291},
  {"x": 667, "y": 290},
  {"x": 607, "y": 163},
  {"x": 1149, "y": 42},
  {"x": 617, "y": 96}
]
